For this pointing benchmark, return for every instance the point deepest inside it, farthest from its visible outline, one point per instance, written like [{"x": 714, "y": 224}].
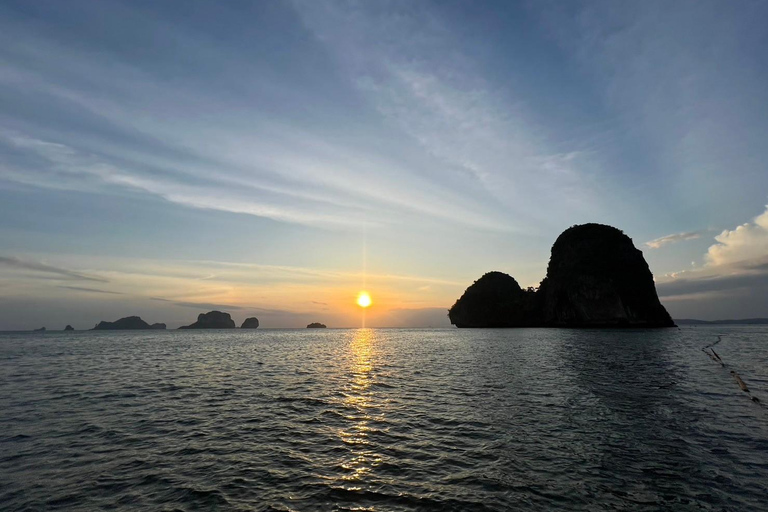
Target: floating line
[{"x": 716, "y": 358}]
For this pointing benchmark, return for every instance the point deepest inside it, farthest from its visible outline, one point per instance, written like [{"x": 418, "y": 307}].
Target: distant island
[
  {"x": 742, "y": 321},
  {"x": 316, "y": 325},
  {"x": 126, "y": 324},
  {"x": 212, "y": 320},
  {"x": 250, "y": 323},
  {"x": 596, "y": 277},
  {"x": 69, "y": 328},
  {"x": 40, "y": 329}
]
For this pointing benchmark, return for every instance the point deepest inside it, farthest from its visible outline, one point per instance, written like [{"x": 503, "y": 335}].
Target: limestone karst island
[
  {"x": 210, "y": 320},
  {"x": 596, "y": 277},
  {"x": 127, "y": 323}
]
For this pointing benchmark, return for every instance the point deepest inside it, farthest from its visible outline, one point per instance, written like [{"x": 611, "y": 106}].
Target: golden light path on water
[{"x": 362, "y": 410}]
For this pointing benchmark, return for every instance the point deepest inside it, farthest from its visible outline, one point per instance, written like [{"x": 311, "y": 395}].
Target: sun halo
[{"x": 364, "y": 299}]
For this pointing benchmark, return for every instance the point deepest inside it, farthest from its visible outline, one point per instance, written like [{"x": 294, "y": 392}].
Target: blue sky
[{"x": 272, "y": 158}]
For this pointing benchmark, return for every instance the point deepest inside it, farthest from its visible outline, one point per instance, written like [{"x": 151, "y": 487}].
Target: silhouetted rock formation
[
  {"x": 40, "y": 329},
  {"x": 212, "y": 320},
  {"x": 250, "y": 323},
  {"x": 69, "y": 328},
  {"x": 595, "y": 278},
  {"x": 160, "y": 326},
  {"x": 316, "y": 325},
  {"x": 495, "y": 300},
  {"x": 127, "y": 323}
]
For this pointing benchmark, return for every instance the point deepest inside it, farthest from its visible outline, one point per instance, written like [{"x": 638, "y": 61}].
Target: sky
[{"x": 272, "y": 159}]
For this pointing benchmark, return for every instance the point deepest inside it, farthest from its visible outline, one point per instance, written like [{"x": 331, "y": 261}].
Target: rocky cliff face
[
  {"x": 127, "y": 323},
  {"x": 250, "y": 323},
  {"x": 212, "y": 320},
  {"x": 595, "y": 278}
]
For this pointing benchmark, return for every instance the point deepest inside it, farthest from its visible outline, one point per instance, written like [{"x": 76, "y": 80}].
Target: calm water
[{"x": 383, "y": 420}]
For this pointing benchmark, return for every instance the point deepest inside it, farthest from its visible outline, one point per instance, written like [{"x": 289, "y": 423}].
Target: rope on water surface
[
  {"x": 713, "y": 355},
  {"x": 716, "y": 358}
]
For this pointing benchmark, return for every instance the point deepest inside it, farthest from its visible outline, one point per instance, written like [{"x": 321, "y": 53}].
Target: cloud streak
[
  {"x": 295, "y": 172},
  {"x": 18, "y": 263},
  {"x": 90, "y": 290},
  {"x": 487, "y": 143},
  {"x": 670, "y": 239},
  {"x": 198, "y": 305}
]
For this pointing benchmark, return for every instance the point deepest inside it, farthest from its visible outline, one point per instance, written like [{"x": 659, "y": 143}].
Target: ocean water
[{"x": 384, "y": 420}]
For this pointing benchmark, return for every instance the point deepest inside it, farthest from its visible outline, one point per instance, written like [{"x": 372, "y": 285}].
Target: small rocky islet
[
  {"x": 316, "y": 325},
  {"x": 250, "y": 323},
  {"x": 596, "y": 277}
]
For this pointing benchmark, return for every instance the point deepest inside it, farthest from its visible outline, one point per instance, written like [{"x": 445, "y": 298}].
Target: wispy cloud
[
  {"x": 90, "y": 290},
  {"x": 257, "y": 165},
  {"x": 76, "y": 169},
  {"x": 198, "y": 305},
  {"x": 670, "y": 239},
  {"x": 409, "y": 66},
  {"x": 287, "y": 273},
  {"x": 651, "y": 62},
  {"x": 19, "y": 263}
]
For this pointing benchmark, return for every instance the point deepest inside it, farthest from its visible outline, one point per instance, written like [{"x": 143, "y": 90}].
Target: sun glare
[{"x": 364, "y": 300}]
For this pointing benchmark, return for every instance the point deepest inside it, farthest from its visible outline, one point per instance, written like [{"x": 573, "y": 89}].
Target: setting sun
[{"x": 364, "y": 300}]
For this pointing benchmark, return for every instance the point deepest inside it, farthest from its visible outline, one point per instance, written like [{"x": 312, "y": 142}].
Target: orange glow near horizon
[{"x": 364, "y": 299}]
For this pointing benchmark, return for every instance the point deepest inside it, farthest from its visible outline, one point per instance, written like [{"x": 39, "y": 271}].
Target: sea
[{"x": 385, "y": 420}]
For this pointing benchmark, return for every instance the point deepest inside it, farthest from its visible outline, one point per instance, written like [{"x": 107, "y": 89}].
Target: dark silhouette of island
[
  {"x": 496, "y": 300},
  {"x": 69, "y": 328},
  {"x": 741, "y": 321},
  {"x": 127, "y": 323},
  {"x": 212, "y": 320},
  {"x": 40, "y": 329},
  {"x": 316, "y": 325},
  {"x": 595, "y": 278},
  {"x": 250, "y": 323}
]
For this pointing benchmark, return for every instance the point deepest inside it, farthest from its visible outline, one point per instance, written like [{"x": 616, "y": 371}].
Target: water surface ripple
[{"x": 383, "y": 420}]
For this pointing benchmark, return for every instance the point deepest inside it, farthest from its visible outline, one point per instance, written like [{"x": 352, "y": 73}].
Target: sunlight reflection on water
[{"x": 359, "y": 403}]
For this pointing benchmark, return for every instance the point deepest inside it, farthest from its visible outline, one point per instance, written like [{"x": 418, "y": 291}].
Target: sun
[{"x": 364, "y": 300}]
